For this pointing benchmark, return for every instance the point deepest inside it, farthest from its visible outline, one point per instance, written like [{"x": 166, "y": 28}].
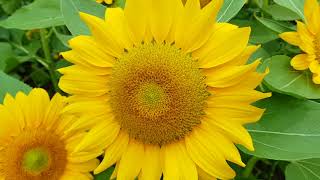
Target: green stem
[
  {"x": 47, "y": 54},
  {"x": 250, "y": 166},
  {"x": 265, "y": 3},
  {"x": 37, "y": 58}
]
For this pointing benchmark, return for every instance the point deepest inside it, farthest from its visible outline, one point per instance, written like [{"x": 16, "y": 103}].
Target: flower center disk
[
  {"x": 36, "y": 160},
  {"x": 158, "y": 93},
  {"x": 34, "y": 155}
]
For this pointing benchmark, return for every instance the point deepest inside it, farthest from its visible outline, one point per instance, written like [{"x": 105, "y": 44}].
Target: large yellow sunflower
[
  {"x": 165, "y": 89},
  {"x": 307, "y": 38},
  {"x": 35, "y": 142}
]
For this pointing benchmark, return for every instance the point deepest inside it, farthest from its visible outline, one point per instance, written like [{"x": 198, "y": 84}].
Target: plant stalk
[
  {"x": 250, "y": 166},
  {"x": 47, "y": 54}
]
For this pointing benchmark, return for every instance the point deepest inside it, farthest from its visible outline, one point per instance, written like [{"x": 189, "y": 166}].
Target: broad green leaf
[
  {"x": 284, "y": 79},
  {"x": 281, "y": 13},
  {"x": 229, "y": 9},
  {"x": 105, "y": 174},
  {"x": 288, "y": 130},
  {"x": 70, "y": 10},
  {"x": 11, "y": 85},
  {"x": 9, "y": 6},
  {"x": 119, "y": 3},
  {"x": 62, "y": 37},
  {"x": 294, "y": 5},
  {"x": 259, "y": 34},
  {"x": 276, "y": 26},
  {"x": 39, "y": 14},
  {"x": 5, "y": 53},
  {"x": 308, "y": 169}
]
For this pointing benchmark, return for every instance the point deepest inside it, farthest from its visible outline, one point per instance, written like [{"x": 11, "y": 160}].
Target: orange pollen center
[
  {"x": 158, "y": 93},
  {"x": 33, "y": 155}
]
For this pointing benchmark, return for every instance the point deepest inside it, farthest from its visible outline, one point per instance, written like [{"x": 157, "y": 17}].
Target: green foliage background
[{"x": 286, "y": 139}]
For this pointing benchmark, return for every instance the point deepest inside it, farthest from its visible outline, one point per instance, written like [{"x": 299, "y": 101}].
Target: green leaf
[
  {"x": 294, "y": 5},
  {"x": 281, "y": 13},
  {"x": 11, "y": 85},
  {"x": 284, "y": 79},
  {"x": 9, "y": 6},
  {"x": 288, "y": 130},
  {"x": 70, "y": 10},
  {"x": 39, "y": 14},
  {"x": 276, "y": 26},
  {"x": 119, "y": 3},
  {"x": 229, "y": 9},
  {"x": 308, "y": 169},
  {"x": 5, "y": 53},
  {"x": 105, "y": 174}
]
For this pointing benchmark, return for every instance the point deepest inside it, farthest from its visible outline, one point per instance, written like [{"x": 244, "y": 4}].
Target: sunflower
[
  {"x": 35, "y": 142},
  {"x": 307, "y": 37},
  {"x": 106, "y": 1},
  {"x": 165, "y": 90}
]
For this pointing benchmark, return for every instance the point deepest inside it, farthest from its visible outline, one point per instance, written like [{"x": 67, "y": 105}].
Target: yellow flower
[
  {"x": 165, "y": 89},
  {"x": 106, "y": 1},
  {"x": 307, "y": 38},
  {"x": 35, "y": 142}
]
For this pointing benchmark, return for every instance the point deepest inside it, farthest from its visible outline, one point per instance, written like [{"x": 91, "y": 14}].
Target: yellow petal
[
  {"x": 151, "y": 167},
  {"x": 131, "y": 161},
  {"x": 177, "y": 163},
  {"x": 38, "y": 103},
  {"x": 224, "y": 48},
  {"x": 113, "y": 152},
  {"x": 306, "y": 38},
  {"x": 178, "y": 9},
  {"x": 83, "y": 167},
  {"x": 316, "y": 78},
  {"x": 219, "y": 30},
  {"x": 234, "y": 131},
  {"x": 79, "y": 157},
  {"x": 300, "y": 62},
  {"x": 137, "y": 20},
  {"x": 9, "y": 126},
  {"x": 67, "y": 175},
  {"x": 203, "y": 175},
  {"x": 161, "y": 18},
  {"x": 91, "y": 52},
  {"x": 53, "y": 112},
  {"x": 315, "y": 66},
  {"x": 312, "y": 15},
  {"x": 14, "y": 108},
  {"x": 229, "y": 76},
  {"x": 237, "y": 96},
  {"x": 291, "y": 37},
  {"x": 207, "y": 157},
  {"x": 104, "y": 133},
  {"x": 81, "y": 65},
  {"x": 101, "y": 34},
  {"x": 243, "y": 58},
  {"x": 195, "y": 21},
  {"x": 225, "y": 146},
  {"x": 85, "y": 84},
  {"x": 201, "y": 28},
  {"x": 116, "y": 19}
]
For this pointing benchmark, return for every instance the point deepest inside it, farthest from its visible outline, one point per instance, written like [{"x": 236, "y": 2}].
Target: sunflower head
[
  {"x": 34, "y": 140},
  {"x": 307, "y": 37},
  {"x": 166, "y": 91}
]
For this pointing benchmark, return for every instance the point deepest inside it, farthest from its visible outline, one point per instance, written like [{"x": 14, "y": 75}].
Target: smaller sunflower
[
  {"x": 106, "y": 1},
  {"x": 35, "y": 141},
  {"x": 307, "y": 37}
]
